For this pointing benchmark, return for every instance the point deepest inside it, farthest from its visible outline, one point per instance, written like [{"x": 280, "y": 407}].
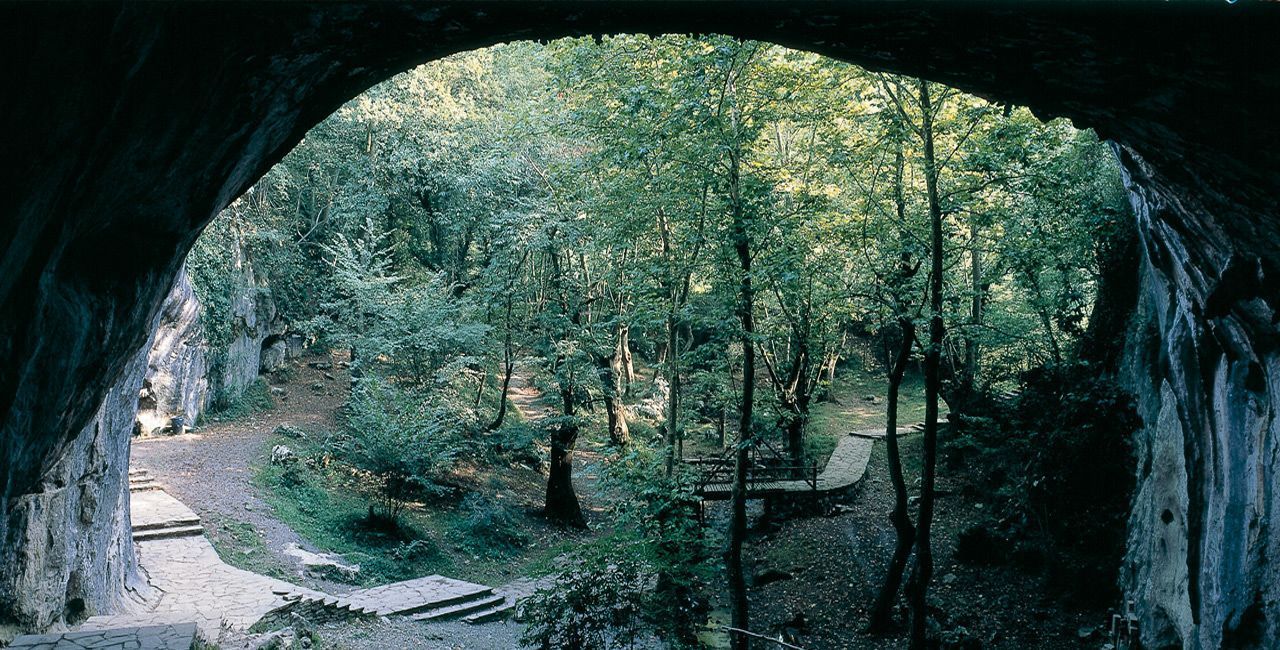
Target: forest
[{"x": 571, "y": 285}]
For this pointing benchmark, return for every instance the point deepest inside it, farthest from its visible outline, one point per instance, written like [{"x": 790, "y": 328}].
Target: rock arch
[{"x": 128, "y": 126}]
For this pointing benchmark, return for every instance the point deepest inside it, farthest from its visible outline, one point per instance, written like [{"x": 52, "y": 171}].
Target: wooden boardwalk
[
  {"x": 847, "y": 465},
  {"x": 845, "y": 468}
]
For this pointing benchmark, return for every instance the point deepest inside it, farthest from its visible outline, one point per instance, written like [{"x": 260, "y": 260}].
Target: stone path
[
  {"x": 414, "y": 595},
  {"x": 156, "y": 515},
  {"x": 191, "y": 585},
  {"x": 154, "y": 637}
]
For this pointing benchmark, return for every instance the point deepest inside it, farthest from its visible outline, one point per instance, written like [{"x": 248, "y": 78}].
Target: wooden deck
[{"x": 846, "y": 467}]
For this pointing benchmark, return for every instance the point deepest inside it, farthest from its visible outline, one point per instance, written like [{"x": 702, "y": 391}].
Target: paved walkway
[
  {"x": 155, "y": 637},
  {"x": 189, "y": 583},
  {"x": 192, "y": 584}
]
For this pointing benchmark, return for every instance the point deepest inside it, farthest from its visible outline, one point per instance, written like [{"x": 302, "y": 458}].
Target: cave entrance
[
  {"x": 98, "y": 220},
  {"x": 540, "y": 233}
]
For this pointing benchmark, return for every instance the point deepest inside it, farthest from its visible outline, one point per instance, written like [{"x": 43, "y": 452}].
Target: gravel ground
[{"x": 402, "y": 635}]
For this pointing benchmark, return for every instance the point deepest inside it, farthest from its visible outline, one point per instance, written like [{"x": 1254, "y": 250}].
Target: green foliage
[
  {"x": 404, "y": 439},
  {"x": 517, "y": 441},
  {"x": 526, "y": 205},
  {"x": 490, "y": 527},
  {"x": 255, "y": 398},
  {"x": 1058, "y": 463},
  {"x": 597, "y": 605}
]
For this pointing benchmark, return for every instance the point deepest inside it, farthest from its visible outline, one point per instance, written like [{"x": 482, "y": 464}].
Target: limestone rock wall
[
  {"x": 66, "y": 546},
  {"x": 1202, "y": 556},
  {"x": 177, "y": 382},
  {"x": 254, "y": 320}
]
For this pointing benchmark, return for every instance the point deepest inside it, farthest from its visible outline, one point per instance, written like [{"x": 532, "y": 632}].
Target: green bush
[
  {"x": 518, "y": 441},
  {"x": 595, "y": 606},
  {"x": 661, "y": 515},
  {"x": 401, "y": 437},
  {"x": 489, "y": 527}
]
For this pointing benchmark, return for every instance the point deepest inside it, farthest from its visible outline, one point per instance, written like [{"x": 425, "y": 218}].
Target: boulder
[
  {"x": 282, "y": 455},
  {"x": 322, "y": 565}
]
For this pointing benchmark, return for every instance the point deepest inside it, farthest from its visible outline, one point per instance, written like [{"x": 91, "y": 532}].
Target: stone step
[
  {"x": 405, "y": 610},
  {"x": 459, "y": 610},
  {"x": 183, "y": 522},
  {"x": 417, "y": 595},
  {"x": 167, "y": 533},
  {"x": 500, "y": 612},
  {"x": 334, "y": 603},
  {"x": 144, "y": 486}
]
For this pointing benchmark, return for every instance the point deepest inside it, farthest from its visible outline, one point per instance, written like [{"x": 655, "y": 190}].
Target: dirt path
[
  {"x": 535, "y": 407},
  {"x": 212, "y": 469}
]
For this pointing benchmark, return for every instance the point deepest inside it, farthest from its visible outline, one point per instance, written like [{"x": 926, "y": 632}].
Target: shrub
[
  {"x": 518, "y": 441},
  {"x": 594, "y": 606},
  {"x": 415, "y": 550},
  {"x": 402, "y": 438},
  {"x": 661, "y": 513},
  {"x": 489, "y": 527}
]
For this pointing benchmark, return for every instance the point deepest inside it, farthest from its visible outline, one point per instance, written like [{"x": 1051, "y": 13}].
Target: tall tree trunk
[
  {"x": 1046, "y": 319},
  {"x": 508, "y": 368},
  {"x": 610, "y": 371},
  {"x": 672, "y": 425},
  {"x": 923, "y": 573},
  {"x": 829, "y": 372},
  {"x": 484, "y": 379},
  {"x": 801, "y": 394},
  {"x": 562, "y": 502},
  {"x": 976, "y": 303},
  {"x": 901, "y": 516},
  {"x": 628, "y": 365},
  {"x": 746, "y": 308}
]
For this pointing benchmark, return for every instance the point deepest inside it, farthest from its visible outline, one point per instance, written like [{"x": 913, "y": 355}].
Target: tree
[{"x": 919, "y": 587}]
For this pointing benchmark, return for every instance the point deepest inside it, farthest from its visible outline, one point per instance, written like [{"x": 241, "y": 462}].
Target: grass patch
[
  {"x": 484, "y": 538},
  {"x": 239, "y": 544},
  {"x": 818, "y": 446},
  {"x": 335, "y": 520},
  {"x": 854, "y": 412}
]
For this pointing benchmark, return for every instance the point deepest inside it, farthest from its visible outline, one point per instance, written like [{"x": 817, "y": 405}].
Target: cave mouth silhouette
[{"x": 130, "y": 126}]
